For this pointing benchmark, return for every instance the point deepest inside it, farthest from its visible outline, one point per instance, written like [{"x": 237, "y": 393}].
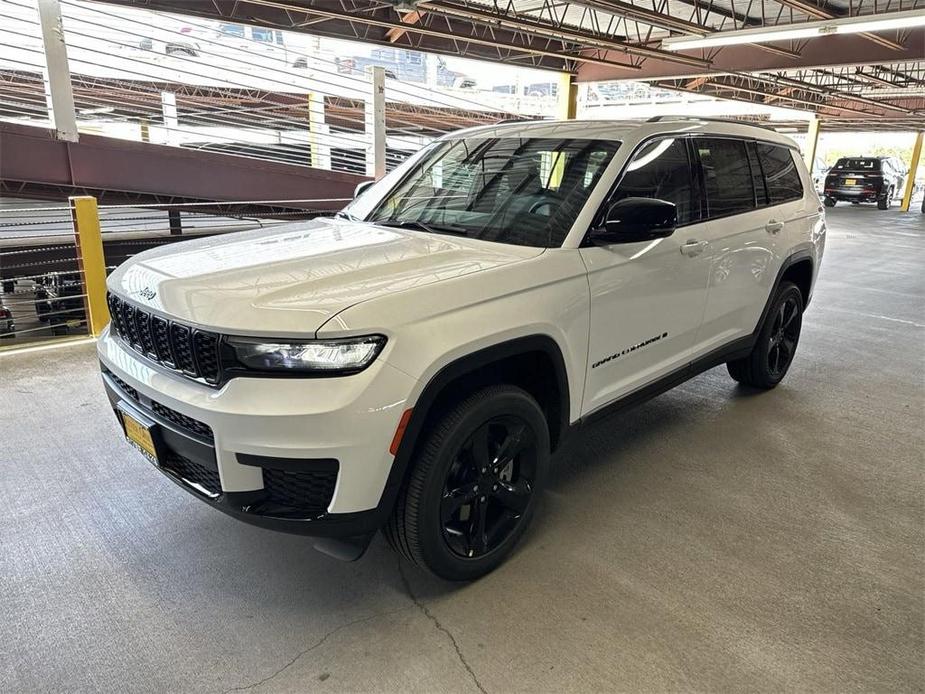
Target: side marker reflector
[{"x": 400, "y": 431}]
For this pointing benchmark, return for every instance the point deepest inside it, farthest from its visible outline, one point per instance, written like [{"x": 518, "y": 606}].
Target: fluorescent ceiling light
[{"x": 907, "y": 19}]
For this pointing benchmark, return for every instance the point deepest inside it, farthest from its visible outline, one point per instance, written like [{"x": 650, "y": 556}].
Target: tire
[
  {"x": 450, "y": 488},
  {"x": 829, "y": 202},
  {"x": 886, "y": 201},
  {"x": 770, "y": 359}
]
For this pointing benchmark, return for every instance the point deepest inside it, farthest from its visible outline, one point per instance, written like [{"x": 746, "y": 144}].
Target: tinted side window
[
  {"x": 780, "y": 173},
  {"x": 727, "y": 176},
  {"x": 662, "y": 169}
]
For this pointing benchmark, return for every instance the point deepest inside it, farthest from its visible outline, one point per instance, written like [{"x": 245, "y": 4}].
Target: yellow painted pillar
[
  {"x": 913, "y": 167},
  {"x": 812, "y": 140},
  {"x": 567, "y": 96},
  {"x": 90, "y": 261}
]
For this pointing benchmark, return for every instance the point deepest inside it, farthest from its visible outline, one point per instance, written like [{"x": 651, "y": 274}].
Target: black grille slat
[
  {"x": 183, "y": 348},
  {"x": 196, "y": 353},
  {"x": 143, "y": 328},
  {"x": 306, "y": 491},
  {"x": 131, "y": 329},
  {"x": 160, "y": 331},
  {"x": 206, "y": 348}
]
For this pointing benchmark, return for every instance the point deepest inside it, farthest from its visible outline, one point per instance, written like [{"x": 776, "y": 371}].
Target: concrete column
[
  {"x": 375, "y": 124},
  {"x": 812, "y": 140},
  {"x": 57, "y": 72},
  {"x": 567, "y": 96},
  {"x": 171, "y": 121},
  {"x": 318, "y": 140},
  {"x": 913, "y": 168}
]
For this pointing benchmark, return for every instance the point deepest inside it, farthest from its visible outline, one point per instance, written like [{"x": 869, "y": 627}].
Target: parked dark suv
[{"x": 864, "y": 179}]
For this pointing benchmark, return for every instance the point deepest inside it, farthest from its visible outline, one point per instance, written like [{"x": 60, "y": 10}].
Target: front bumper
[{"x": 307, "y": 456}]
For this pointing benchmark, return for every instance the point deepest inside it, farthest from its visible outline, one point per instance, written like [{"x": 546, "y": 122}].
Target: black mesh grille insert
[
  {"x": 176, "y": 346},
  {"x": 307, "y": 491},
  {"x": 193, "y": 472},
  {"x": 182, "y": 348},
  {"x": 182, "y": 421},
  {"x": 143, "y": 327},
  {"x": 206, "y": 347},
  {"x": 161, "y": 334},
  {"x": 126, "y": 388}
]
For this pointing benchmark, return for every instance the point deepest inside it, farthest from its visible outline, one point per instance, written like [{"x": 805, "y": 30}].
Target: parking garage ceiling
[{"x": 853, "y": 81}]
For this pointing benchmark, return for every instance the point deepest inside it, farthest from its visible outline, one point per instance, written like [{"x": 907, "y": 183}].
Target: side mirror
[
  {"x": 361, "y": 187},
  {"x": 636, "y": 219}
]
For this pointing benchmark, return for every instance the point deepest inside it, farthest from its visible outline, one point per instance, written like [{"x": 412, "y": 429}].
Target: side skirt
[{"x": 734, "y": 350}]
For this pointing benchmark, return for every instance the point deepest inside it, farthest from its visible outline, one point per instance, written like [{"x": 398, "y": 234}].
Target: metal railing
[
  {"x": 54, "y": 259},
  {"x": 158, "y": 78}
]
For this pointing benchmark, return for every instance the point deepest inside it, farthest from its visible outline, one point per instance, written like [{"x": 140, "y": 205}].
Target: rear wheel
[
  {"x": 474, "y": 486},
  {"x": 886, "y": 201},
  {"x": 777, "y": 342},
  {"x": 829, "y": 202}
]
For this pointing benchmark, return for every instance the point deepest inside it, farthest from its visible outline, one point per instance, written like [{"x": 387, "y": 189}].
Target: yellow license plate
[
  {"x": 851, "y": 181},
  {"x": 139, "y": 436}
]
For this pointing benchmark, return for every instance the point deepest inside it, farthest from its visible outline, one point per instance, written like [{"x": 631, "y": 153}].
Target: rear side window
[
  {"x": 727, "y": 176},
  {"x": 780, "y": 173},
  {"x": 662, "y": 169}
]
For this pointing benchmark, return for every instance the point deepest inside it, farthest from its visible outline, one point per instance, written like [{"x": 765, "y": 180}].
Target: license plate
[
  {"x": 851, "y": 181},
  {"x": 139, "y": 435}
]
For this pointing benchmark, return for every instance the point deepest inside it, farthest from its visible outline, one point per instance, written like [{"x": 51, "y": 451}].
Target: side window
[
  {"x": 727, "y": 176},
  {"x": 662, "y": 169},
  {"x": 780, "y": 173}
]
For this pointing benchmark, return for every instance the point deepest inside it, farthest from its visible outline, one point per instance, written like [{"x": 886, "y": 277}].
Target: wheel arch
[
  {"x": 491, "y": 364},
  {"x": 797, "y": 268}
]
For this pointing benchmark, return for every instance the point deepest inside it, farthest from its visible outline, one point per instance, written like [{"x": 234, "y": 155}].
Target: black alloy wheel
[
  {"x": 473, "y": 487},
  {"x": 488, "y": 486},
  {"x": 776, "y": 344},
  {"x": 784, "y": 336}
]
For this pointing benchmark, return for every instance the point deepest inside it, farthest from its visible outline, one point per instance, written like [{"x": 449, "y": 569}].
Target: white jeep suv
[{"x": 411, "y": 363}]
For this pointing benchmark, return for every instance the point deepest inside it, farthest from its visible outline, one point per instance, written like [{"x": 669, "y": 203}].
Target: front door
[{"x": 647, "y": 298}]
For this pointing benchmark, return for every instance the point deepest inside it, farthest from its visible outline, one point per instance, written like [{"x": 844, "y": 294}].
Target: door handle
[
  {"x": 692, "y": 248},
  {"x": 773, "y": 226}
]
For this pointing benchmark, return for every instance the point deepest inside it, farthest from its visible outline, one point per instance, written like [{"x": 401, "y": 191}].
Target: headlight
[{"x": 342, "y": 356}]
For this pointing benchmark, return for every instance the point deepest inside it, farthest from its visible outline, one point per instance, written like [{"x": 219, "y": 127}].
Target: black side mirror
[
  {"x": 636, "y": 219},
  {"x": 361, "y": 187}
]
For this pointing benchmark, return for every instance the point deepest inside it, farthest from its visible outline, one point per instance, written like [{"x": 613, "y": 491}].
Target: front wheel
[
  {"x": 777, "y": 341},
  {"x": 474, "y": 486}
]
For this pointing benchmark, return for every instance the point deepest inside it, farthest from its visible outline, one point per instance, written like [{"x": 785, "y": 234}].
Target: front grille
[
  {"x": 179, "y": 347},
  {"x": 192, "y": 472},
  {"x": 306, "y": 491}
]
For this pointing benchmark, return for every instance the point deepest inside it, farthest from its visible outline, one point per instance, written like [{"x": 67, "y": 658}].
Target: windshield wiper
[
  {"x": 347, "y": 216},
  {"x": 421, "y": 226}
]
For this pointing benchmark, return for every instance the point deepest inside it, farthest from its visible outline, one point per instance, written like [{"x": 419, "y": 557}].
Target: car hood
[{"x": 290, "y": 280}]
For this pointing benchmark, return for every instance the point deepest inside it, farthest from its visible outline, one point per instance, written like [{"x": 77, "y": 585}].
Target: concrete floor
[{"x": 712, "y": 539}]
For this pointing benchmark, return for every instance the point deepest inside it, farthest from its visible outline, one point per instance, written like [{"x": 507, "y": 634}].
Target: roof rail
[{"x": 656, "y": 119}]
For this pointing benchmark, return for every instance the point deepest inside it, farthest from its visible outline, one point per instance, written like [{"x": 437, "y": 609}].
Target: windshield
[
  {"x": 857, "y": 164},
  {"x": 519, "y": 190}
]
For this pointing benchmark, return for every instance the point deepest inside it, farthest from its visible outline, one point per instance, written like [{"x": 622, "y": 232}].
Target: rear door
[{"x": 754, "y": 204}]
